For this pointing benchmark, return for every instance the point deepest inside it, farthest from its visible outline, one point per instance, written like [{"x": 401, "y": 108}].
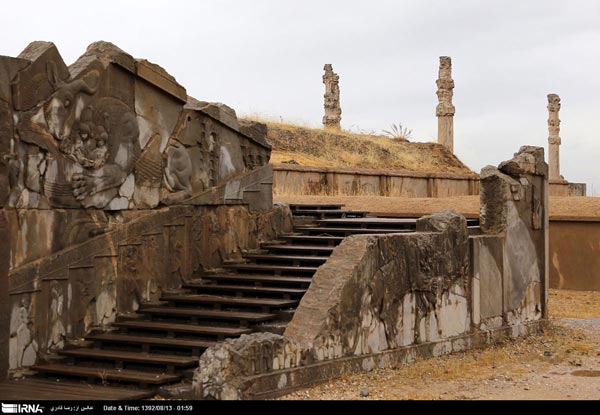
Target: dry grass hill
[{"x": 320, "y": 148}]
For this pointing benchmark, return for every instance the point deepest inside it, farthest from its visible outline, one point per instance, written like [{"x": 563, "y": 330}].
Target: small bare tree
[{"x": 398, "y": 132}]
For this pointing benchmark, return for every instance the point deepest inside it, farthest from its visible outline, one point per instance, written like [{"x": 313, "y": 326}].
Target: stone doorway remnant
[
  {"x": 333, "y": 110},
  {"x": 445, "y": 110}
]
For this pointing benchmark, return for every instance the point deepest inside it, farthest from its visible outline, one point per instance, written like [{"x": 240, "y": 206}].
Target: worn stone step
[
  {"x": 137, "y": 357},
  {"x": 294, "y": 259},
  {"x": 349, "y": 231},
  {"x": 171, "y": 328},
  {"x": 98, "y": 373},
  {"x": 304, "y": 206},
  {"x": 30, "y": 388},
  {"x": 324, "y": 213},
  {"x": 326, "y": 240},
  {"x": 247, "y": 289},
  {"x": 230, "y": 300},
  {"x": 119, "y": 338},
  {"x": 276, "y": 269},
  {"x": 259, "y": 279},
  {"x": 373, "y": 222},
  {"x": 208, "y": 313},
  {"x": 308, "y": 249}
]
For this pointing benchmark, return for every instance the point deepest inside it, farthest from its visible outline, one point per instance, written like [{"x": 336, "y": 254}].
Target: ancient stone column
[
  {"x": 333, "y": 111},
  {"x": 445, "y": 110},
  {"x": 553, "y": 137}
]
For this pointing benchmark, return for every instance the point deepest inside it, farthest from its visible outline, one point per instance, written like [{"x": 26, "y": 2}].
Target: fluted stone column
[
  {"x": 333, "y": 110},
  {"x": 445, "y": 110},
  {"x": 554, "y": 137}
]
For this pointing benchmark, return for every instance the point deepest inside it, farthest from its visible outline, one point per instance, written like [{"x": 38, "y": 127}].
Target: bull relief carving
[
  {"x": 113, "y": 132},
  {"x": 90, "y": 142}
]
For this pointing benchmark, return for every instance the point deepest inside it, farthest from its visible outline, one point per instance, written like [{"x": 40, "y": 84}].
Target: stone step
[
  {"x": 39, "y": 388},
  {"x": 275, "y": 269},
  {"x": 120, "y": 338},
  {"x": 304, "y": 206},
  {"x": 106, "y": 374},
  {"x": 229, "y": 300},
  {"x": 373, "y": 222},
  {"x": 321, "y": 231},
  {"x": 246, "y": 289},
  {"x": 328, "y": 240},
  {"x": 137, "y": 357},
  {"x": 207, "y": 314},
  {"x": 259, "y": 279},
  {"x": 324, "y": 213},
  {"x": 172, "y": 328},
  {"x": 294, "y": 259},
  {"x": 308, "y": 249}
]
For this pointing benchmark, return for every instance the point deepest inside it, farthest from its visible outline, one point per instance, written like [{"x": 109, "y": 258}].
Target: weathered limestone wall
[
  {"x": 382, "y": 300},
  {"x": 382, "y": 292},
  {"x": 575, "y": 254},
  {"x": 291, "y": 180},
  {"x": 55, "y": 295},
  {"x": 326, "y": 181},
  {"x": 512, "y": 253}
]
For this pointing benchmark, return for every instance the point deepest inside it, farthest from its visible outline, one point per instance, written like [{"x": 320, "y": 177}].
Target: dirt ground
[
  {"x": 562, "y": 364},
  {"x": 581, "y": 207}
]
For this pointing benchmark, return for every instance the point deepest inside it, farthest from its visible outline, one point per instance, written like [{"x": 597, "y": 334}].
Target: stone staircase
[{"x": 161, "y": 343}]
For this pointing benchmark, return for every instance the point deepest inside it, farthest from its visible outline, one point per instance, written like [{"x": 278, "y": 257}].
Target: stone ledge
[
  {"x": 373, "y": 172},
  {"x": 282, "y": 382}
]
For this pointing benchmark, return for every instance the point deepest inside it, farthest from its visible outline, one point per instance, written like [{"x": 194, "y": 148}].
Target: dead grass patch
[
  {"x": 574, "y": 304},
  {"x": 324, "y": 148}
]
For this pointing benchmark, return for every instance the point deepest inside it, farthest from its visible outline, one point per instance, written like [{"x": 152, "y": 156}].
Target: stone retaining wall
[{"x": 290, "y": 179}]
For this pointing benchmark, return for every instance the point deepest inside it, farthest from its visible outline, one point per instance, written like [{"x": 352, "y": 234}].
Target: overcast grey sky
[{"x": 267, "y": 56}]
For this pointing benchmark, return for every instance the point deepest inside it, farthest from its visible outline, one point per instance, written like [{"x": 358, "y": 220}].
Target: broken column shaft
[
  {"x": 333, "y": 110},
  {"x": 554, "y": 137},
  {"x": 445, "y": 110}
]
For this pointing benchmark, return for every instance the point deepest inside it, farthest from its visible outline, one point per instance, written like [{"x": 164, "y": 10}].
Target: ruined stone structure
[
  {"x": 445, "y": 110},
  {"x": 554, "y": 137},
  {"x": 115, "y": 185},
  {"x": 117, "y": 189},
  {"x": 333, "y": 110},
  {"x": 384, "y": 300}
]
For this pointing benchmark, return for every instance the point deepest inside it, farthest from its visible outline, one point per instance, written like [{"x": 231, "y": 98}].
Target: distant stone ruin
[
  {"x": 445, "y": 110},
  {"x": 554, "y": 137},
  {"x": 333, "y": 110}
]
